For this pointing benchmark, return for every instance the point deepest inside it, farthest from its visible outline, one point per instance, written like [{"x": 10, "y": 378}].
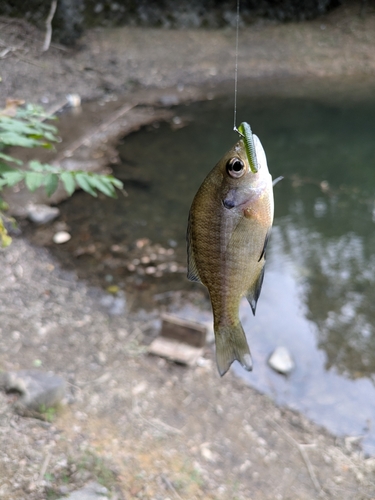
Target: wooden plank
[
  {"x": 175, "y": 351},
  {"x": 188, "y": 332}
]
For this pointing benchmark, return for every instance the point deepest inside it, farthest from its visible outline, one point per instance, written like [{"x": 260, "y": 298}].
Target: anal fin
[
  {"x": 266, "y": 239},
  {"x": 253, "y": 294}
]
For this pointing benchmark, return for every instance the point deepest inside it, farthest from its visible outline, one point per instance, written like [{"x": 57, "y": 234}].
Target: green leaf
[
  {"x": 34, "y": 180},
  {"x": 69, "y": 182},
  {"x": 50, "y": 136},
  {"x": 13, "y": 139},
  {"x": 3, "y": 205},
  {"x": 51, "y": 182},
  {"x": 14, "y": 125},
  {"x": 116, "y": 182},
  {"x": 43, "y": 167},
  {"x": 98, "y": 182},
  {"x": 26, "y": 126},
  {"x": 48, "y": 126},
  {"x": 30, "y": 111},
  {"x": 10, "y": 158},
  {"x": 14, "y": 177},
  {"x": 26, "y": 129},
  {"x": 5, "y": 239},
  {"x": 109, "y": 179},
  {"x": 45, "y": 126},
  {"x": 83, "y": 182},
  {"x": 36, "y": 166},
  {"x": 5, "y": 168}
]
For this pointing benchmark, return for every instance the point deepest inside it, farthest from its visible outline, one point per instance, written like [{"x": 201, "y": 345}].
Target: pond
[{"x": 319, "y": 291}]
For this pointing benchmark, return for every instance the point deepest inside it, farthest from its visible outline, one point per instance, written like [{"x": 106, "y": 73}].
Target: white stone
[
  {"x": 92, "y": 491},
  {"x": 207, "y": 453},
  {"x": 61, "y": 237},
  {"x": 74, "y": 100},
  {"x": 38, "y": 389},
  {"x": 41, "y": 214},
  {"x": 281, "y": 360}
]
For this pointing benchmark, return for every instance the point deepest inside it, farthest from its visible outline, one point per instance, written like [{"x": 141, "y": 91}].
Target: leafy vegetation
[
  {"x": 25, "y": 126},
  {"x": 48, "y": 413}
]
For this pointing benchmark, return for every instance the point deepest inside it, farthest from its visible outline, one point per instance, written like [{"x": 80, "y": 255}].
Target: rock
[
  {"x": 207, "y": 453},
  {"x": 41, "y": 214},
  {"x": 38, "y": 389},
  {"x": 92, "y": 491},
  {"x": 139, "y": 388},
  {"x": 74, "y": 100},
  {"x": 169, "y": 100},
  {"x": 115, "y": 304},
  {"x": 61, "y": 237},
  {"x": 281, "y": 361}
]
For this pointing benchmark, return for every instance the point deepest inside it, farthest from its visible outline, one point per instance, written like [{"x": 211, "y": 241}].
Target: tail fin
[{"x": 231, "y": 344}]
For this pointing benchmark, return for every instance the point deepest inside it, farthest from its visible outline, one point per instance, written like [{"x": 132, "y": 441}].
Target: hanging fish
[{"x": 229, "y": 225}]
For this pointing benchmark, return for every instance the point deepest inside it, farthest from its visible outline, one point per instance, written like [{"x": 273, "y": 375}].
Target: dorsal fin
[{"x": 278, "y": 179}]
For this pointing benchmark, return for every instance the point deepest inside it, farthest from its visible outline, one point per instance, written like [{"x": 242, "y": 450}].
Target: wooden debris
[
  {"x": 175, "y": 351},
  {"x": 180, "y": 340},
  {"x": 182, "y": 330},
  {"x": 47, "y": 40}
]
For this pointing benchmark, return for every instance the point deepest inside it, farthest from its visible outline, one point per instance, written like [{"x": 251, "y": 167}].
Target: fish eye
[{"x": 235, "y": 167}]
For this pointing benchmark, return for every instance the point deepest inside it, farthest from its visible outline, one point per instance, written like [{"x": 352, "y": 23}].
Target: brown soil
[{"x": 144, "y": 427}]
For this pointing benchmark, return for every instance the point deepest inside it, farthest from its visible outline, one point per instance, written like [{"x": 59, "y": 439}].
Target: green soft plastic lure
[{"x": 245, "y": 132}]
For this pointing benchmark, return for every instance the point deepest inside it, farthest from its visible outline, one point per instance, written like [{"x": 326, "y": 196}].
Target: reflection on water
[
  {"x": 336, "y": 273},
  {"x": 319, "y": 291}
]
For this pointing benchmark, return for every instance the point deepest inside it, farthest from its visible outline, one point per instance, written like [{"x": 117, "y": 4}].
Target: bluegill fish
[{"x": 229, "y": 225}]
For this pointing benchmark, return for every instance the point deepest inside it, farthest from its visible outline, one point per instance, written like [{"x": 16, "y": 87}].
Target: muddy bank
[
  {"x": 123, "y": 59},
  {"x": 143, "y": 427}
]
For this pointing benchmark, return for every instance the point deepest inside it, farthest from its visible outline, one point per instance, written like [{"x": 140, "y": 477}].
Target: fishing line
[
  {"x": 244, "y": 129},
  {"x": 236, "y": 67}
]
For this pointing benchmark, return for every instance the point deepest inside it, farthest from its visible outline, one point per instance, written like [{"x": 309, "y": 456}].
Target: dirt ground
[{"x": 143, "y": 427}]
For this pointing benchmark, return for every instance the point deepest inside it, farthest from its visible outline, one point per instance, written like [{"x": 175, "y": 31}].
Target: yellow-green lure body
[{"x": 245, "y": 131}]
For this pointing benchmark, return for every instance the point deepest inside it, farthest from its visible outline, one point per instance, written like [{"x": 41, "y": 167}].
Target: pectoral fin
[
  {"x": 192, "y": 272},
  {"x": 253, "y": 294}
]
